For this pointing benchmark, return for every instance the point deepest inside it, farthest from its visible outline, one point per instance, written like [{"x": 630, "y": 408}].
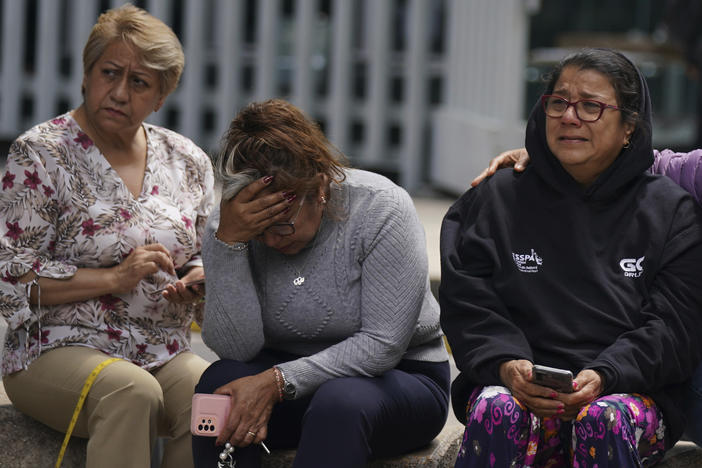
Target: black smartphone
[
  {"x": 187, "y": 285},
  {"x": 560, "y": 380}
]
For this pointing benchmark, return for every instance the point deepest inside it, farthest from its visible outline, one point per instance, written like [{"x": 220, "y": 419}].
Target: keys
[{"x": 225, "y": 458}]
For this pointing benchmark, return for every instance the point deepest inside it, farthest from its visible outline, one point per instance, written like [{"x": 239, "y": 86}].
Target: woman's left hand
[
  {"x": 517, "y": 158},
  {"x": 588, "y": 386},
  {"x": 253, "y": 398},
  {"x": 179, "y": 293}
]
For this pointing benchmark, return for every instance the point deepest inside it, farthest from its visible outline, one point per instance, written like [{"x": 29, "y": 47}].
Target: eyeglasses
[
  {"x": 587, "y": 110},
  {"x": 286, "y": 229}
]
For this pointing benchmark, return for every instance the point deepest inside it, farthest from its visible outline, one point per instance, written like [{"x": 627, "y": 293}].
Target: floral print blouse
[{"x": 63, "y": 207}]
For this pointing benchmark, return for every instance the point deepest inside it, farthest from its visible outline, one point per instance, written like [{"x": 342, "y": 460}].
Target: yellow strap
[{"x": 83, "y": 394}]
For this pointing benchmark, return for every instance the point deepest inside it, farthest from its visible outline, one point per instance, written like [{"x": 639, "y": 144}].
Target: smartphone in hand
[
  {"x": 187, "y": 284},
  {"x": 209, "y": 414},
  {"x": 560, "y": 380}
]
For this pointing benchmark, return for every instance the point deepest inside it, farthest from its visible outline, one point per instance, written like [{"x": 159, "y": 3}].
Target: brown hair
[
  {"x": 156, "y": 43},
  {"x": 275, "y": 138}
]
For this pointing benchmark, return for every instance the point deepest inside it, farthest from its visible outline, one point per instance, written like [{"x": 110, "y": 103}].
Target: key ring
[{"x": 225, "y": 458}]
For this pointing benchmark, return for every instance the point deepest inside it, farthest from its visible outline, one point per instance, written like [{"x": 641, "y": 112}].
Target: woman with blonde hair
[{"x": 100, "y": 211}]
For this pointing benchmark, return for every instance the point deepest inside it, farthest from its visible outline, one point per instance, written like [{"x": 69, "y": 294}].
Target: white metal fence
[{"x": 372, "y": 72}]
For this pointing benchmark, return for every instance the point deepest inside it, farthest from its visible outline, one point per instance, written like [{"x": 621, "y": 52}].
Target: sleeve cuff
[{"x": 608, "y": 379}]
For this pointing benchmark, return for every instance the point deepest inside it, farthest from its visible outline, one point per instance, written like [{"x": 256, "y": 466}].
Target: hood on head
[{"x": 631, "y": 162}]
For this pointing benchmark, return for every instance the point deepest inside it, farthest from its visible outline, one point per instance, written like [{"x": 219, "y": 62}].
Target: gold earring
[{"x": 627, "y": 144}]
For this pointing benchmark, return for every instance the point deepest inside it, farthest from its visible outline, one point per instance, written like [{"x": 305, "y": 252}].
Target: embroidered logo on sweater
[
  {"x": 527, "y": 263},
  {"x": 632, "y": 266}
]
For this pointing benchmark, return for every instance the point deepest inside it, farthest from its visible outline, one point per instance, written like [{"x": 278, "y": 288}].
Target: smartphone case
[{"x": 209, "y": 414}]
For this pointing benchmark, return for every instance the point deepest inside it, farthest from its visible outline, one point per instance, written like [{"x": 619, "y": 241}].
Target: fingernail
[
  {"x": 554, "y": 394},
  {"x": 560, "y": 411},
  {"x": 291, "y": 197},
  {"x": 268, "y": 179},
  {"x": 575, "y": 385}
]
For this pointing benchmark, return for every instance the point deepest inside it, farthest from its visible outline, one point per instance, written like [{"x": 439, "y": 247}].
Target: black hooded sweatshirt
[{"x": 609, "y": 277}]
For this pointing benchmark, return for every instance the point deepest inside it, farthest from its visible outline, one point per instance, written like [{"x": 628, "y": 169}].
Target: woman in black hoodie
[{"x": 583, "y": 262}]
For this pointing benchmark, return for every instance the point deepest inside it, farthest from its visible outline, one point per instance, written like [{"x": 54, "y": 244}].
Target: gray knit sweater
[{"x": 365, "y": 303}]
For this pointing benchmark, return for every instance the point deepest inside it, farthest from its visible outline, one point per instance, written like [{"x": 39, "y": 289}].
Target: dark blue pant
[{"x": 347, "y": 420}]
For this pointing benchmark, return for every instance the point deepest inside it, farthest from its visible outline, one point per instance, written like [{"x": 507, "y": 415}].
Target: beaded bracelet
[
  {"x": 235, "y": 245},
  {"x": 278, "y": 383}
]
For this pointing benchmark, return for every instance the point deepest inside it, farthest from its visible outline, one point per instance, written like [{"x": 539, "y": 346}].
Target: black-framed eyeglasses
[
  {"x": 587, "y": 110},
  {"x": 286, "y": 229}
]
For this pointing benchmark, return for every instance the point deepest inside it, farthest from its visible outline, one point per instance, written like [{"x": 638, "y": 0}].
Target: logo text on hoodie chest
[
  {"x": 527, "y": 262},
  {"x": 632, "y": 267}
]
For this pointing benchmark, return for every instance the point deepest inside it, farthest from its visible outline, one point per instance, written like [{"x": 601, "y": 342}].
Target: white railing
[
  {"x": 482, "y": 116},
  {"x": 372, "y": 72}
]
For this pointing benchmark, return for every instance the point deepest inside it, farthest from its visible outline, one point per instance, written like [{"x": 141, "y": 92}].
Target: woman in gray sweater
[{"x": 318, "y": 302}]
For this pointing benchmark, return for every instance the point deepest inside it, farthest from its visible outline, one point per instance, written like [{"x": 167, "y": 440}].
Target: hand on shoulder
[{"x": 517, "y": 158}]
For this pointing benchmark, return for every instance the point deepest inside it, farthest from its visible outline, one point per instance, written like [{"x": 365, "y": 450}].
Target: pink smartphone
[{"x": 209, "y": 414}]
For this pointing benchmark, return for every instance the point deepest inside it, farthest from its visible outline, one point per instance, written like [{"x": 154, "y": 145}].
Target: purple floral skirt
[{"x": 619, "y": 430}]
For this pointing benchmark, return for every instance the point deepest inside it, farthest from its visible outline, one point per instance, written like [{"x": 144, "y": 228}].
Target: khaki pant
[{"x": 126, "y": 409}]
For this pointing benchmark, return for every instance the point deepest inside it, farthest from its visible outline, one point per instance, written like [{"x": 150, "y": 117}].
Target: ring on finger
[{"x": 251, "y": 433}]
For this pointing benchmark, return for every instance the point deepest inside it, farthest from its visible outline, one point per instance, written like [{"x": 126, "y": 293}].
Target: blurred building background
[{"x": 424, "y": 91}]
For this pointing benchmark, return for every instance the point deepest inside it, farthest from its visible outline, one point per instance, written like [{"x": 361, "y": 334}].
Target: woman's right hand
[
  {"x": 519, "y": 158},
  {"x": 516, "y": 375},
  {"x": 141, "y": 262},
  {"x": 251, "y": 211}
]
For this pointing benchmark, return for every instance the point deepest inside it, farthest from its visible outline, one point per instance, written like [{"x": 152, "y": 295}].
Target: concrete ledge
[
  {"x": 27, "y": 443},
  {"x": 683, "y": 455}
]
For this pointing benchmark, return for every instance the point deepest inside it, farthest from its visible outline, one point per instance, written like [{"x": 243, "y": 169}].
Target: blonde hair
[{"x": 152, "y": 39}]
